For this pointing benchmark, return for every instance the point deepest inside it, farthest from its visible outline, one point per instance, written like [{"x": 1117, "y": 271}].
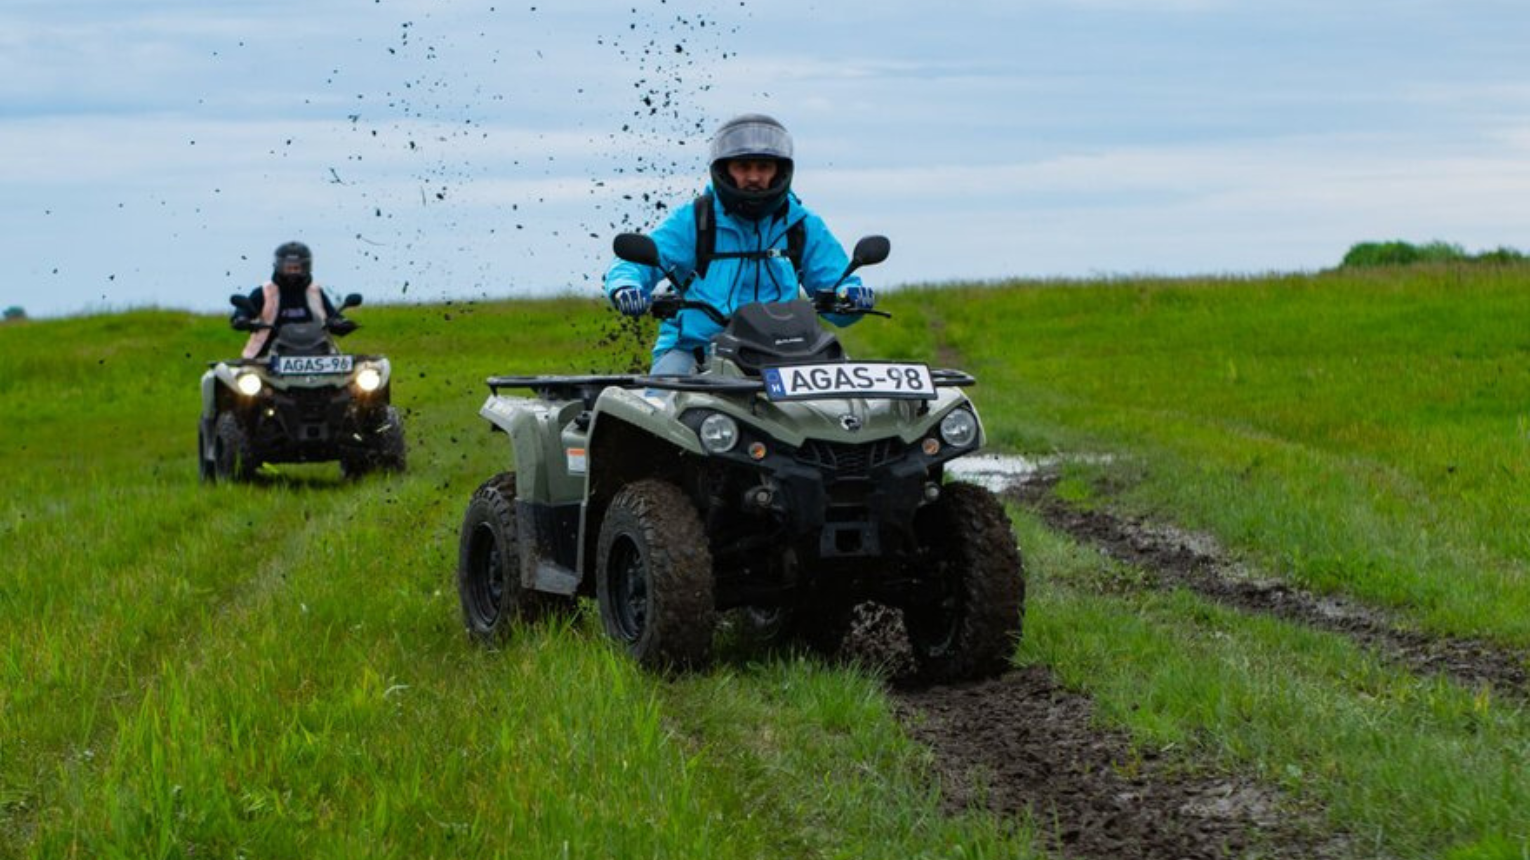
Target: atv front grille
[
  {"x": 312, "y": 404},
  {"x": 846, "y": 459}
]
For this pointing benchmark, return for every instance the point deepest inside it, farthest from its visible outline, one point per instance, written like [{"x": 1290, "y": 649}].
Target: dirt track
[
  {"x": 1021, "y": 745},
  {"x": 1174, "y": 558}
]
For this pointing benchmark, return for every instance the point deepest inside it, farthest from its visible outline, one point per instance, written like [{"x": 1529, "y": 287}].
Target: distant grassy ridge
[{"x": 279, "y": 670}]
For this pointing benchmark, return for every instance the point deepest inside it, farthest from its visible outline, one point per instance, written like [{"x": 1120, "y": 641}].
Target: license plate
[
  {"x": 313, "y": 364},
  {"x": 849, "y": 379}
]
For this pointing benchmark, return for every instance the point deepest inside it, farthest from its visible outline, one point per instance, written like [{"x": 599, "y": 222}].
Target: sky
[{"x": 155, "y": 152}]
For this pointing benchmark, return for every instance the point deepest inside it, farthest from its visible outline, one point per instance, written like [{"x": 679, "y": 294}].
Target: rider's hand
[
  {"x": 630, "y": 301},
  {"x": 861, "y": 298}
]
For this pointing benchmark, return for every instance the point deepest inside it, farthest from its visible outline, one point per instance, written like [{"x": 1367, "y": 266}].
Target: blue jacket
[{"x": 731, "y": 283}]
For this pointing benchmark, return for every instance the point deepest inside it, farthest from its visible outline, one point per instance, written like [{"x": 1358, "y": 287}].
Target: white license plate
[
  {"x": 315, "y": 364},
  {"x": 849, "y": 379}
]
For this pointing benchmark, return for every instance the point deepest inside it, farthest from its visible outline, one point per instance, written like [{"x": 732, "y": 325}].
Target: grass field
[{"x": 279, "y": 669}]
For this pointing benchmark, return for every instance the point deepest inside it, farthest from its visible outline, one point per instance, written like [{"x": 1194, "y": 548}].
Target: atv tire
[
  {"x": 392, "y": 453},
  {"x": 653, "y": 577},
  {"x": 233, "y": 457},
  {"x": 205, "y": 467},
  {"x": 971, "y": 630},
  {"x": 489, "y": 565}
]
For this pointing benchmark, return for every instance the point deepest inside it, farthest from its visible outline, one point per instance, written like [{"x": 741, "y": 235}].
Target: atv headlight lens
[
  {"x": 248, "y": 384},
  {"x": 368, "y": 379},
  {"x": 959, "y": 428},
  {"x": 718, "y": 433}
]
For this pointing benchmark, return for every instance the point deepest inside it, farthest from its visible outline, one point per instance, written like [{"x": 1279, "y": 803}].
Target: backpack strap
[
  {"x": 706, "y": 241},
  {"x": 706, "y": 233},
  {"x": 796, "y": 244}
]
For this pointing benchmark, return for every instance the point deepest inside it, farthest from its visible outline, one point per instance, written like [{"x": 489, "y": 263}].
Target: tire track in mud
[
  {"x": 1174, "y": 558},
  {"x": 1023, "y": 745}
]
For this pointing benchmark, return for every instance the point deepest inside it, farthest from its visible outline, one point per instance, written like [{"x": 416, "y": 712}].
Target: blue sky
[{"x": 155, "y": 151}]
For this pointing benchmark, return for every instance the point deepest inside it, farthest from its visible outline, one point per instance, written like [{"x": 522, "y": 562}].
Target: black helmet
[
  {"x": 287, "y": 254},
  {"x": 752, "y": 135}
]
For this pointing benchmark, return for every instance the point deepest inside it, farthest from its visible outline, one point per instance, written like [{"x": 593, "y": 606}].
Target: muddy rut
[
  {"x": 1175, "y": 558},
  {"x": 1021, "y": 745}
]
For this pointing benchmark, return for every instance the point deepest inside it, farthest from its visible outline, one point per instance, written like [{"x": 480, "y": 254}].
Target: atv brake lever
[{"x": 847, "y": 309}]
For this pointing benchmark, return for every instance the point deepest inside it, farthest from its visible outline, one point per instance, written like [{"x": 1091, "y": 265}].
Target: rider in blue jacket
[{"x": 764, "y": 243}]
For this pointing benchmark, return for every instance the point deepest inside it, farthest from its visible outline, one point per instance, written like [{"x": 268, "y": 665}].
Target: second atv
[
  {"x": 785, "y": 479},
  {"x": 304, "y": 402}
]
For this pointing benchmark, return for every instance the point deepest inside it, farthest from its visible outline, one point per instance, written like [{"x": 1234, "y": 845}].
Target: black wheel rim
[
  {"x": 628, "y": 574},
  {"x": 486, "y": 579}
]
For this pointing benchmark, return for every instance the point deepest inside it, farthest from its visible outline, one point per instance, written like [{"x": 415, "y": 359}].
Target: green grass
[
  {"x": 1416, "y": 765},
  {"x": 279, "y": 669},
  {"x": 1360, "y": 433}
]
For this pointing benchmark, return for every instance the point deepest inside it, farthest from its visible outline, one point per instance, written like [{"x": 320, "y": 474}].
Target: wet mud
[
  {"x": 1021, "y": 745},
  {"x": 1173, "y": 558}
]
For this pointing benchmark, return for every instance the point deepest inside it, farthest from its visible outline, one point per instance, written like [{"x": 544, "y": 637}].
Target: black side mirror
[
  {"x": 242, "y": 303},
  {"x": 351, "y": 301},
  {"x": 870, "y": 250},
  {"x": 636, "y": 248}
]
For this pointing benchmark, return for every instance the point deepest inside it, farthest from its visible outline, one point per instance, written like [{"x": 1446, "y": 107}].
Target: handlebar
[
  {"x": 668, "y": 305},
  {"x": 833, "y": 303},
  {"x": 336, "y": 325}
]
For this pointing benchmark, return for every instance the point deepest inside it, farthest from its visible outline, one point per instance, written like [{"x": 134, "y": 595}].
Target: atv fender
[
  {"x": 217, "y": 390},
  {"x": 535, "y": 428},
  {"x": 548, "y": 493},
  {"x": 632, "y": 437}
]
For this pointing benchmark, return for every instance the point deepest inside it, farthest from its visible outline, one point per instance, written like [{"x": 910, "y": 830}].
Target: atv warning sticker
[
  {"x": 849, "y": 379},
  {"x": 577, "y": 461}
]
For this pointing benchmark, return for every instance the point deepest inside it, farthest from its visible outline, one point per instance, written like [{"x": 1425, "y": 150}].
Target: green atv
[
  {"x": 784, "y": 480},
  {"x": 303, "y": 402}
]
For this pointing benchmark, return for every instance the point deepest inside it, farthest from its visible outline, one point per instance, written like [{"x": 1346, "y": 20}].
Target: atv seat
[{"x": 776, "y": 333}]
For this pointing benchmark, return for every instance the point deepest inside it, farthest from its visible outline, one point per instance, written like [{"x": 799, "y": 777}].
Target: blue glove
[
  {"x": 861, "y": 298},
  {"x": 630, "y": 301}
]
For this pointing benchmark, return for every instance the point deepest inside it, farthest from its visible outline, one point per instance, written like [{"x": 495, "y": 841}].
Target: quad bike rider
[
  {"x": 293, "y": 396},
  {"x": 784, "y": 478}
]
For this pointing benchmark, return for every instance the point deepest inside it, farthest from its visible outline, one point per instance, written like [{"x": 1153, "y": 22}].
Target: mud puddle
[{"x": 1176, "y": 558}]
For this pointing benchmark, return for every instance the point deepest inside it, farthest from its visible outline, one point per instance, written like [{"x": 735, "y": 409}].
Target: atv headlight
[
  {"x": 368, "y": 379},
  {"x": 959, "y": 428},
  {"x": 718, "y": 433},
  {"x": 248, "y": 384}
]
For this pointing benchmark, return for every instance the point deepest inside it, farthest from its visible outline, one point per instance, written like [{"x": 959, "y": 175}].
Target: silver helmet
[{"x": 752, "y": 135}]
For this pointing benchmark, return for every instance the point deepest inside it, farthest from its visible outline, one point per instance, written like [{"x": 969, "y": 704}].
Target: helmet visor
[{"x": 751, "y": 138}]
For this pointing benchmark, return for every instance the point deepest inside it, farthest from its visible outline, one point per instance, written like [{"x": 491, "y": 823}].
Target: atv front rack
[{"x": 588, "y": 388}]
